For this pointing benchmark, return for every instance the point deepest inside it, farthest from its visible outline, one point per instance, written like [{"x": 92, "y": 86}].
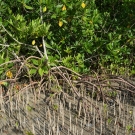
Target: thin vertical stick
[
  {"x": 62, "y": 117},
  {"x": 114, "y": 109},
  {"x": 133, "y": 117},
  {"x": 33, "y": 128},
  {"x": 57, "y": 129},
  {"x": 73, "y": 129},
  {"x": 24, "y": 121},
  {"x": 44, "y": 127},
  {"x": 94, "y": 122},
  {"x": 70, "y": 121},
  {"x": 20, "y": 117},
  {"x": 80, "y": 107},
  {"x": 116, "y": 129},
  {"x": 81, "y": 131},
  {"x": 38, "y": 123}
]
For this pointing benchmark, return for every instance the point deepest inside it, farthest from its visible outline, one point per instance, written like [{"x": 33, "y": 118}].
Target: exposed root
[{"x": 80, "y": 94}]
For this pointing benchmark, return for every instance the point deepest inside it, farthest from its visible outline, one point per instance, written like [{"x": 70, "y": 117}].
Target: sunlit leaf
[
  {"x": 41, "y": 71},
  {"x": 28, "y": 7},
  {"x": 33, "y": 71},
  {"x": 44, "y": 9}
]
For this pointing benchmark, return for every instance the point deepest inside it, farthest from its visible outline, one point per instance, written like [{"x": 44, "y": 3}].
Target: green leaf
[
  {"x": 7, "y": 59},
  {"x": 119, "y": 37},
  {"x": 1, "y": 60},
  {"x": 110, "y": 46},
  {"x": 48, "y": 46},
  {"x": 64, "y": 1},
  {"x": 59, "y": 6},
  {"x": 35, "y": 62},
  {"x": 64, "y": 21},
  {"x": 0, "y": 21},
  {"x": 10, "y": 65},
  {"x": 1, "y": 70},
  {"x": 45, "y": 71},
  {"x": 54, "y": 16},
  {"x": 41, "y": 71},
  {"x": 110, "y": 36},
  {"x": 33, "y": 71},
  {"x": 28, "y": 7}
]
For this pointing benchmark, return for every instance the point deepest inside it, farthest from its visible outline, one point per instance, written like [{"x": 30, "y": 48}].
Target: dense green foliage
[{"x": 81, "y": 35}]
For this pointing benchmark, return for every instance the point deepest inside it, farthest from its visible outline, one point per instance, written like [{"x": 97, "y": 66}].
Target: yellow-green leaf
[
  {"x": 28, "y": 7},
  {"x": 44, "y": 9}
]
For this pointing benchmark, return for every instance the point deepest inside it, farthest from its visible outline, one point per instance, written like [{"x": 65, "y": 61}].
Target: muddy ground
[{"x": 38, "y": 112}]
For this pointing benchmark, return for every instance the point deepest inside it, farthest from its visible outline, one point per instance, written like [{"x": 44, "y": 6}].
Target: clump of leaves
[{"x": 79, "y": 35}]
